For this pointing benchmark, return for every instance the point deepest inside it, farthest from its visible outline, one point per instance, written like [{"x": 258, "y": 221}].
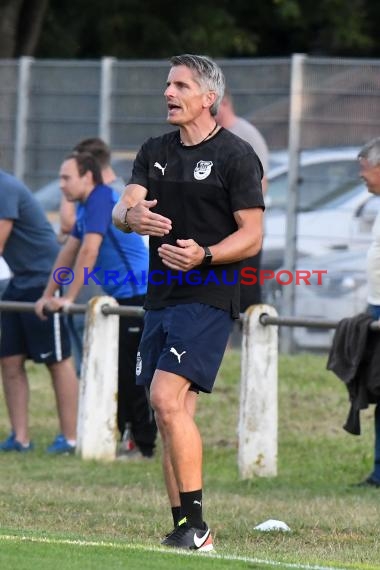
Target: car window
[
  {"x": 321, "y": 182},
  {"x": 318, "y": 183},
  {"x": 277, "y": 188},
  {"x": 343, "y": 197}
]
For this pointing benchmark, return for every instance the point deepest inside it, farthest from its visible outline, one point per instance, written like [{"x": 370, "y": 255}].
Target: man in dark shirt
[{"x": 197, "y": 193}]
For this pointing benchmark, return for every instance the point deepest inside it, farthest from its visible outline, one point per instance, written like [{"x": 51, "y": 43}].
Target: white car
[
  {"x": 337, "y": 294},
  {"x": 323, "y": 174},
  {"x": 341, "y": 223},
  {"x": 318, "y": 165}
]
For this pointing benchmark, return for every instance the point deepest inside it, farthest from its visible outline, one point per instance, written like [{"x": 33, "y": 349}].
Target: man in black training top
[{"x": 197, "y": 193}]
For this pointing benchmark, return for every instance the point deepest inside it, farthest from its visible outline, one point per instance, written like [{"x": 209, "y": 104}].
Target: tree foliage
[
  {"x": 20, "y": 26},
  {"x": 157, "y": 29}
]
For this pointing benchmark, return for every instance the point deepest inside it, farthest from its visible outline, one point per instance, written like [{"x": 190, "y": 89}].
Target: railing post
[
  {"x": 257, "y": 431},
  {"x": 96, "y": 431},
  {"x": 23, "y": 98},
  {"x": 294, "y": 145},
  {"x": 105, "y": 106}
]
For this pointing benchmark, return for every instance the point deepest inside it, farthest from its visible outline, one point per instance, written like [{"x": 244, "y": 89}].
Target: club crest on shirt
[{"x": 203, "y": 169}]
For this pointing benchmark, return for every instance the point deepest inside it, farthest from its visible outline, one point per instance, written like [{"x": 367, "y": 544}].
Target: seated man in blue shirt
[{"x": 97, "y": 250}]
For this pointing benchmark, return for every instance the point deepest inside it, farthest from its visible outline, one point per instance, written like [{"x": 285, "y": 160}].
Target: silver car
[
  {"x": 340, "y": 292},
  {"x": 323, "y": 174},
  {"x": 341, "y": 223}
]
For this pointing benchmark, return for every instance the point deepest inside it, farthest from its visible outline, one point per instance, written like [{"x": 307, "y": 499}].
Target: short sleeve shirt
[
  {"x": 248, "y": 132},
  {"x": 199, "y": 188},
  {"x": 373, "y": 264},
  {"x": 122, "y": 262},
  {"x": 31, "y": 247}
]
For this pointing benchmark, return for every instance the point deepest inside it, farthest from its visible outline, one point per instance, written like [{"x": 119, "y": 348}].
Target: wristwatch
[{"x": 208, "y": 256}]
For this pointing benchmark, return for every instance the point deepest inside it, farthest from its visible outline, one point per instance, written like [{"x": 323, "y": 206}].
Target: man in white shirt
[
  {"x": 228, "y": 119},
  {"x": 369, "y": 159}
]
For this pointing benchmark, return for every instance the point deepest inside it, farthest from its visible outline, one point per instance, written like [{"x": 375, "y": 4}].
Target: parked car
[
  {"x": 323, "y": 174},
  {"x": 342, "y": 223},
  {"x": 341, "y": 292}
]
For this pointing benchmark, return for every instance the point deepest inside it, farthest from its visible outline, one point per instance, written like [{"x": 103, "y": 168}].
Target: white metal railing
[{"x": 258, "y": 425}]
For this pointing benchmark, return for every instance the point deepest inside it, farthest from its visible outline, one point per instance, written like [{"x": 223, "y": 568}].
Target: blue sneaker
[
  {"x": 60, "y": 446},
  {"x": 7, "y": 444},
  {"x": 11, "y": 444}
]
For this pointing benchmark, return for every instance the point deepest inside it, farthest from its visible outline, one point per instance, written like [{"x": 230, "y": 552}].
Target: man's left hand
[
  {"x": 56, "y": 304},
  {"x": 183, "y": 256}
]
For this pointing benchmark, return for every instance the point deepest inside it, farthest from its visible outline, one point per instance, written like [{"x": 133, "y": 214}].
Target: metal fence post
[
  {"x": 96, "y": 431},
  {"x": 21, "y": 134},
  {"x": 257, "y": 431},
  {"x": 105, "y": 108},
  {"x": 290, "y": 258}
]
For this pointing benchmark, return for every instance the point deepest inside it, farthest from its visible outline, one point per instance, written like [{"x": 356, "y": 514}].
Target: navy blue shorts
[
  {"x": 24, "y": 333},
  {"x": 188, "y": 340}
]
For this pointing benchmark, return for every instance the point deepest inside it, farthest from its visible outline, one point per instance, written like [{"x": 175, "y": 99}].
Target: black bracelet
[
  {"x": 208, "y": 255},
  {"x": 127, "y": 227}
]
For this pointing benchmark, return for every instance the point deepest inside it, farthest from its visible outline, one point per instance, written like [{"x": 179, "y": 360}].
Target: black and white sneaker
[{"x": 190, "y": 538}]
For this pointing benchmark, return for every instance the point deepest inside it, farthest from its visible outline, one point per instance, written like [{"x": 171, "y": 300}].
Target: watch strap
[{"x": 208, "y": 255}]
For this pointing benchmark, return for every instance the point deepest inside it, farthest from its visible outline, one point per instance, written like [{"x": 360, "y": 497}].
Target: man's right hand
[{"x": 141, "y": 220}]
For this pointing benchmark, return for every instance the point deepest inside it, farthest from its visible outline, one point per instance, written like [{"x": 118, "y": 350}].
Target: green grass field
[{"x": 67, "y": 513}]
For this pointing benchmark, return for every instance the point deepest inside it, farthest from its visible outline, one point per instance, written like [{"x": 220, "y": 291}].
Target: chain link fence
[
  {"x": 298, "y": 103},
  {"x": 46, "y": 106}
]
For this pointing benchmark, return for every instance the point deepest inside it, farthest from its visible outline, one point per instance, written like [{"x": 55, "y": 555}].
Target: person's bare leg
[
  {"x": 179, "y": 432},
  {"x": 16, "y": 392},
  {"x": 65, "y": 384},
  {"x": 170, "y": 480}
]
